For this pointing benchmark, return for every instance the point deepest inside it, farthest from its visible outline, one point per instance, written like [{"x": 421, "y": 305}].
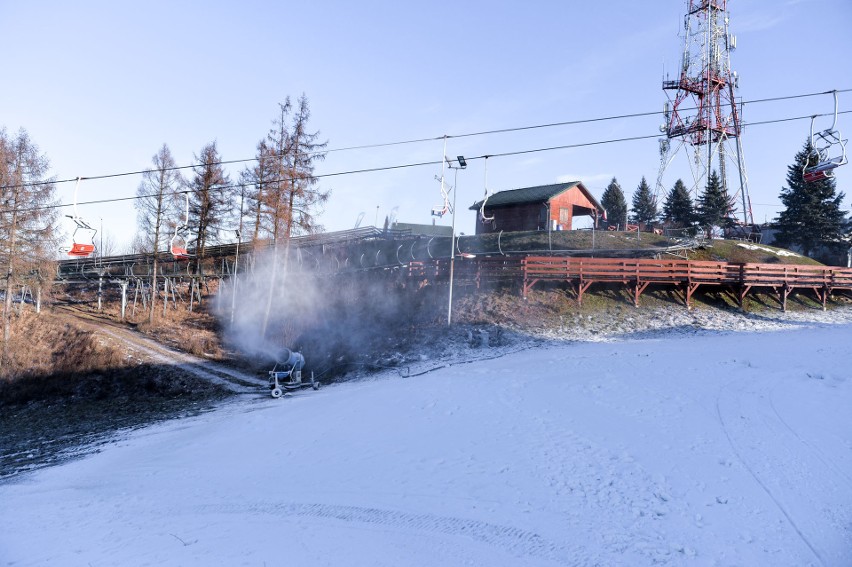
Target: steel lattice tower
[{"x": 702, "y": 118}]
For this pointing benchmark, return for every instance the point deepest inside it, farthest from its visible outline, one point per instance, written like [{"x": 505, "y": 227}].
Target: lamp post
[
  {"x": 461, "y": 164},
  {"x": 234, "y": 283}
]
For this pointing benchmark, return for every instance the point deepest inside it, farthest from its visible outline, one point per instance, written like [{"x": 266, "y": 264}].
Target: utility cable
[
  {"x": 429, "y": 139},
  {"x": 396, "y": 167}
]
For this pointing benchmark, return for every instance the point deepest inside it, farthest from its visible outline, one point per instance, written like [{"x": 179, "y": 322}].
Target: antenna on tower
[{"x": 701, "y": 113}]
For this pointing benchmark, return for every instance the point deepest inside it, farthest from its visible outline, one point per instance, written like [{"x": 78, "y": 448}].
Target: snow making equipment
[{"x": 289, "y": 376}]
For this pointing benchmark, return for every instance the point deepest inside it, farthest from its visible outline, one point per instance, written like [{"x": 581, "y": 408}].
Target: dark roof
[
  {"x": 424, "y": 229},
  {"x": 539, "y": 194}
]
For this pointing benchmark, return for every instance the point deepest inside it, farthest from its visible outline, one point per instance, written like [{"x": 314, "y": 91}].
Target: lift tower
[{"x": 702, "y": 120}]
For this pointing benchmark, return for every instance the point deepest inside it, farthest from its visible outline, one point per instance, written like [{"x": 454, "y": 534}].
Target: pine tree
[
  {"x": 812, "y": 214},
  {"x": 678, "y": 209},
  {"x": 614, "y": 204},
  {"x": 644, "y": 207},
  {"x": 715, "y": 206}
]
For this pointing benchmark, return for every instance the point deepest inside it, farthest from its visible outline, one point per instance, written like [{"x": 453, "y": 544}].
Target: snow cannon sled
[{"x": 289, "y": 378}]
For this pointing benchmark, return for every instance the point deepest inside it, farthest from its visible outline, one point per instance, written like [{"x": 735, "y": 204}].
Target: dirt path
[{"x": 145, "y": 349}]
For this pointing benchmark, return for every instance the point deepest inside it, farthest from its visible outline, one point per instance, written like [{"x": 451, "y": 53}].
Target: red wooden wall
[{"x": 534, "y": 216}]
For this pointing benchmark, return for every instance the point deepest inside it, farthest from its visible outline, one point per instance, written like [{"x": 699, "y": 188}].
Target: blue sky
[{"x": 100, "y": 86}]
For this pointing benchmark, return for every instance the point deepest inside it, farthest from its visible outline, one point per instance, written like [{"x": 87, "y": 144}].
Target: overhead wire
[
  {"x": 382, "y": 168},
  {"x": 429, "y": 139}
]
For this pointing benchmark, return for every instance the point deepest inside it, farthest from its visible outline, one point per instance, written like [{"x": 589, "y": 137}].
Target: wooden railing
[{"x": 688, "y": 274}]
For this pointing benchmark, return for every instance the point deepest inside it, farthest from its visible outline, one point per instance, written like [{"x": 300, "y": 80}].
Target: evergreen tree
[
  {"x": 678, "y": 209},
  {"x": 644, "y": 207},
  {"x": 812, "y": 214},
  {"x": 715, "y": 206},
  {"x": 614, "y": 204}
]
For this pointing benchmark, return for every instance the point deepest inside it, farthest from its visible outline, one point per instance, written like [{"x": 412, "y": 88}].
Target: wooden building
[{"x": 536, "y": 208}]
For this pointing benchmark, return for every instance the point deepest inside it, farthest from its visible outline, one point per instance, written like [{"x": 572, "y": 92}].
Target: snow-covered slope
[{"x": 694, "y": 449}]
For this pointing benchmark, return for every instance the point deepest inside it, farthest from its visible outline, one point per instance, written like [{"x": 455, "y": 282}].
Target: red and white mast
[{"x": 702, "y": 119}]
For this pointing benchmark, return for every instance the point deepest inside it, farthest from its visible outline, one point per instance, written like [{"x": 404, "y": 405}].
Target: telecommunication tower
[{"x": 702, "y": 119}]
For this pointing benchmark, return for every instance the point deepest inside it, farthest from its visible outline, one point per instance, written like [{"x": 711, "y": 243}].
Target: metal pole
[
  {"x": 452, "y": 246},
  {"x": 549, "y": 224},
  {"x": 234, "y": 284}
]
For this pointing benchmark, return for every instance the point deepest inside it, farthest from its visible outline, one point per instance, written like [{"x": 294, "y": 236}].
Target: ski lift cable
[
  {"x": 394, "y": 167},
  {"x": 431, "y": 139}
]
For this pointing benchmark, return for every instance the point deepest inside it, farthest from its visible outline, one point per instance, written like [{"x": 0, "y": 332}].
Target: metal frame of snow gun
[
  {"x": 289, "y": 379},
  {"x": 294, "y": 382}
]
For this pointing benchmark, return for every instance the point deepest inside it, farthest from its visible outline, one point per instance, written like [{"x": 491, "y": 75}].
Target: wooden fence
[{"x": 688, "y": 275}]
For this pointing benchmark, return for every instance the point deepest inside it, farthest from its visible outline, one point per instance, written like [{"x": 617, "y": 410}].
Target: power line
[{"x": 431, "y": 139}]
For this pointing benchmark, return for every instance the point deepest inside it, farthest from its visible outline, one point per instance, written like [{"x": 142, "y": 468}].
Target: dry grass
[
  {"x": 745, "y": 253},
  {"x": 195, "y": 332},
  {"x": 44, "y": 344}
]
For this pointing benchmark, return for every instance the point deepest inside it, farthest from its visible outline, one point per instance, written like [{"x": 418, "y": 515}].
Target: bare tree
[
  {"x": 209, "y": 201},
  {"x": 305, "y": 197},
  {"x": 28, "y": 219},
  {"x": 108, "y": 245},
  {"x": 259, "y": 181},
  {"x": 156, "y": 210},
  {"x": 293, "y": 199},
  {"x": 275, "y": 213}
]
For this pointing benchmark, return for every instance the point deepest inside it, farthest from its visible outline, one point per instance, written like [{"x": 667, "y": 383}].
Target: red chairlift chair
[
  {"x": 178, "y": 243},
  {"x": 81, "y": 246}
]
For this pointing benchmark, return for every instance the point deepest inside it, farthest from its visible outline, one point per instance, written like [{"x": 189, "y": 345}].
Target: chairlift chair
[
  {"x": 82, "y": 245},
  {"x": 178, "y": 244},
  {"x": 444, "y": 208},
  {"x": 483, "y": 218},
  {"x": 828, "y": 151}
]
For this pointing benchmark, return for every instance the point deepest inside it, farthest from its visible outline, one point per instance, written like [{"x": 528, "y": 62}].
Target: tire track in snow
[
  {"x": 590, "y": 480},
  {"x": 520, "y": 543},
  {"x": 814, "y": 450},
  {"x": 738, "y": 453}
]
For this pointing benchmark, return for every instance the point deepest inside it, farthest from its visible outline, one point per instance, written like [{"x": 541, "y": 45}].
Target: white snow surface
[{"x": 686, "y": 448}]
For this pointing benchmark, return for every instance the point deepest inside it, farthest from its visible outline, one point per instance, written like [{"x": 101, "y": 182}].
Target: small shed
[{"x": 537, "y": 208}]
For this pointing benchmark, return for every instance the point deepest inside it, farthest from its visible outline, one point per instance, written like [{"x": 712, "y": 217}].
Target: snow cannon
[
  {"x": 286, "y": 376},
  {"x": 292, "y": 360}
]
